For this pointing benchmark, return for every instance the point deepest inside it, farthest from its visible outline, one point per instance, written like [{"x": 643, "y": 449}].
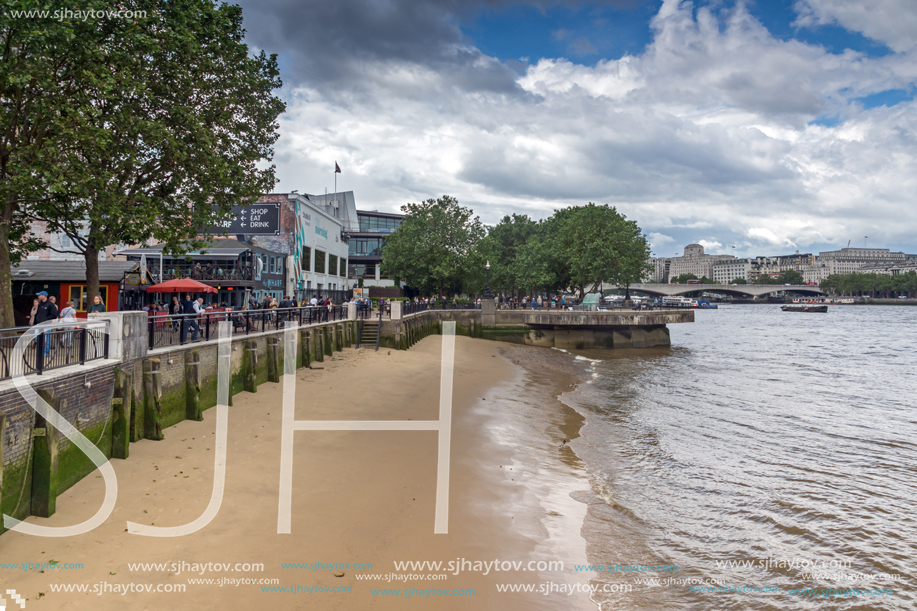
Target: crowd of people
[{"x": 45, "y": 309}]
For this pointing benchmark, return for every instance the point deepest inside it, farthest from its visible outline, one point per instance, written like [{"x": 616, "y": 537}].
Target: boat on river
[{"x": 804, "y": 308}]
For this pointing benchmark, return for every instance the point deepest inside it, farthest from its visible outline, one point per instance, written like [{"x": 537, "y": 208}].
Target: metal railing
[
  {"x": 48, "y": 347},
  {"x": 178, "y": 329}
]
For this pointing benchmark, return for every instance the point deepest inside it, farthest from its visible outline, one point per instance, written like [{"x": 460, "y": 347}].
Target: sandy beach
[{"x": 362, "y": 500}]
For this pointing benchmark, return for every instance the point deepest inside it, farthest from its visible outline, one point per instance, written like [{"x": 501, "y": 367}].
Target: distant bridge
[{"x": 744, "y": 290}]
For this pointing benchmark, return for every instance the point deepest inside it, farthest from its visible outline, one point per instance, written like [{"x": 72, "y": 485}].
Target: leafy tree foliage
[
  {"x": 683, "y": 278},
  {"x": 172, "y": 140},
  {"x": 435, "y": 247},
  {"x": 872, "y": 285}
]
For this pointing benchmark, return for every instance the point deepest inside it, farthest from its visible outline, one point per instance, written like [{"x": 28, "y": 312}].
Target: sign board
[{"x": 257, "y": 219}]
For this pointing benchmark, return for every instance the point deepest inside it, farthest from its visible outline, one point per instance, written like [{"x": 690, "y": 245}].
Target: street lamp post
[{"x": 487, "y": 293}]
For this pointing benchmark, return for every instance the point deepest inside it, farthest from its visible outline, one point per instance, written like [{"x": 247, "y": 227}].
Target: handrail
[
  {"x": 164, "y": 329},
  {"x": 52, "y": 346}
]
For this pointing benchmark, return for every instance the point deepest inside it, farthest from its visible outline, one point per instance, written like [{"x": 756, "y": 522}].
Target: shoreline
[{"x": 358, "y": 496}]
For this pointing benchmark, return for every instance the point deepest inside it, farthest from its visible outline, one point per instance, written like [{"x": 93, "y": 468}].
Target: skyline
[{"x": 774, "y": 126}]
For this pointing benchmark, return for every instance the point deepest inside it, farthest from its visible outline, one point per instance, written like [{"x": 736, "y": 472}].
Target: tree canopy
[
  {"x": 576, "y": 248},
  {"x": 872, "y": 285},
  {"x": 155, "y": 127},
  {"x": 434, "y": 248}
]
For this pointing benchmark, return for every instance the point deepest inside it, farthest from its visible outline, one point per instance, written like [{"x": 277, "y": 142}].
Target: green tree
[
  {"x": 44, "y": 65},
  {"x": 683, "y": 278},
  {"x": 738, "y": 281},
  {"x": 502, "y": 246},
  {"x": 435, "y": 247},
  {"x": 173, "y": 139},
  {"x": 598, "y": 244},
  {"x": 791, "y": 276}
]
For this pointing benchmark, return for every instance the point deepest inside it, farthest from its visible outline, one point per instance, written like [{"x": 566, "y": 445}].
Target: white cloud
[
  {"x": 710, "y": 128},
  {"x": 659, "y": 241},
  {"x": 893, "y": 22}
]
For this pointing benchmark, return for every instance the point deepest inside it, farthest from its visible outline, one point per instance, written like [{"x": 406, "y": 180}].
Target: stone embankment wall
[{"x": 136, "y": 394}]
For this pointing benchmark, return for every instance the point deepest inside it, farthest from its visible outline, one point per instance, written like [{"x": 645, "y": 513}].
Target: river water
[{"x": 770, "y": 456}]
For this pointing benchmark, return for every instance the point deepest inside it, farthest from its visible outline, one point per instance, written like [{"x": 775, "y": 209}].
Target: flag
[
  {"x": 143, "y": 269},
  {"x": 337, "y": 168}
]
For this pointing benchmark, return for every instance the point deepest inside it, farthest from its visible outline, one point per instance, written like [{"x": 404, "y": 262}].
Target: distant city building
[
  {"x": 889, "y": 269},
  {"x": 848, "y": 261},
  {"x": 774, "y": 266},
  {"x": 725, "y": 272},
  {"x": 366, "y": 247},
  {"x": 695, "y": 262}
]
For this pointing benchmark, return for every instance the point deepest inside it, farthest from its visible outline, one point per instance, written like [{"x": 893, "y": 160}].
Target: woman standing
[
  {"x": 97, "y": 304},
  {"x": 32, "y": 313}
]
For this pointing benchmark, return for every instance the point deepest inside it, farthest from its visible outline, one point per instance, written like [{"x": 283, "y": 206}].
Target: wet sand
[{"x": 363, "y": 497}]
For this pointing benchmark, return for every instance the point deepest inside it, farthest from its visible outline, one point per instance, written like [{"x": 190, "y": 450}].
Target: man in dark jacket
[
  {"x": 189, "y": 322},
  {"x": 46, "y": 310}
]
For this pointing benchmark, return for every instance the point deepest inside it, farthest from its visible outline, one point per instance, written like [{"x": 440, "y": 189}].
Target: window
[
  {"x": 81, "y": 300},
  {"x": 319, "y": 261},
  {"x": 65, "y": 241},
  {"x": 343, "y": 267},
  {"x": 306, "y": 259},
  {"x": 273, "y": 265},
  {"x": 332, "y": 265}
]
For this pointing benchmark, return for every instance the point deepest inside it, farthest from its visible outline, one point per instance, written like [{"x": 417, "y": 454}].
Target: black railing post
[
  {"x": 379, "y": 328},
  {"x": 82, "y": 345},
  {"x": 106, "y": 338},
  {"x": 40, "y": 353},
  {"x": 207, "y": 326},
  {"x": 151, "y": 333}
]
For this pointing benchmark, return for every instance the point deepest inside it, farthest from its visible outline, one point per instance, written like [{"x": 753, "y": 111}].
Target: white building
[
  {"x": 311, "y": 232},
  {"x": 848, "y": 261},
  {"x": 695, "y": 262},
  {"x": 726, "y": 271}
]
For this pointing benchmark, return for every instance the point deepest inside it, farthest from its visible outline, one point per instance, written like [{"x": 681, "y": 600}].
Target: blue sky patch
[{"x": 889, "y": 97}]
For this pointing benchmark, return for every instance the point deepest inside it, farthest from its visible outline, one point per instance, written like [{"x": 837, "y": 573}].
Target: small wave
[{"x": 583, "y": 358}]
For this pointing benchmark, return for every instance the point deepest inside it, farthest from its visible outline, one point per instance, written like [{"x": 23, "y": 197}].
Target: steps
[{"x": 370, "y": 329}]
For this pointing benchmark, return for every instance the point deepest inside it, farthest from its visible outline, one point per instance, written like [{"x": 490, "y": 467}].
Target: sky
[{"x": 768, "y": 126}]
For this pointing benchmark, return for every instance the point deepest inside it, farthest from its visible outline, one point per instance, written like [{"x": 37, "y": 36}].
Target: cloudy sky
[{"x": 771, "y": 126}]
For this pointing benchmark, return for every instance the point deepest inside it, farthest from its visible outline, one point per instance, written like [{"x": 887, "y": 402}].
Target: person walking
[
  {"x": 45, "y": 312},
  {"x": 68, "y": 314},
  {"x": 189, "y": 322}
]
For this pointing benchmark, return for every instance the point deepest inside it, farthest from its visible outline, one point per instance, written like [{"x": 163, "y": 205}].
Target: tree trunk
[
  {"x": 7, "y": 318},
  {"x": 92, "y": 276}
]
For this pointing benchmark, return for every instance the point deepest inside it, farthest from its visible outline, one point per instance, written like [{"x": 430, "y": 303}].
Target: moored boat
[{"x": 804, "y": 308}]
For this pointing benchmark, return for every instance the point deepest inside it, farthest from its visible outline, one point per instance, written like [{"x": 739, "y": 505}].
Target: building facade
[
  {"x": 366, "y": 247},
  {"x": 850, "y": 260},
  {"x": 311, "y": 233},
  {"x": 727, "y": 271},
  {"x": 695, "y": 261}
]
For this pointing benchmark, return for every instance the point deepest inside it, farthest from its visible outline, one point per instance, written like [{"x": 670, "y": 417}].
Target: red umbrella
[{"x": 181, "y": 285}]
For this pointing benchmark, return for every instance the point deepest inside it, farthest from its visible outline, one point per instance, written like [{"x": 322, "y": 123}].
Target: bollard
[
  {"x": 45, "y": 446},
  {"x": 193, "y": 386},
  {"x": 251, "y": 366},
  {"x": 121, "y": 414},
  {"x": 273, "y": 359},
  {"x": 152, "y": 386}
]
